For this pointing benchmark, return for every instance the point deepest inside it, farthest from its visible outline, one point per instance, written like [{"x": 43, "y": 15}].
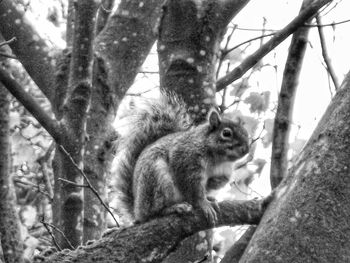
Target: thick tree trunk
[
  {"x": 309, "y": 220},
  {"x": 189, "y": 39}
]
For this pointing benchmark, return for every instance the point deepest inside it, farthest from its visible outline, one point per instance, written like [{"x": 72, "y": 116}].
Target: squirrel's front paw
[
  {"x": 210, "y": 212},
  {"x": 180, "y": 208}
]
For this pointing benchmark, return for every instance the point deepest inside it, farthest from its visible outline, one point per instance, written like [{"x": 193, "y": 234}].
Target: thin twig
[
  {"x": 305, "y": 25},
  {"x": 19, "y": 181},
  {"x": 6, "y": 55},
  {"x": 88, "y": 182},
  {"x": 42, "y": 161},
  {"x": 8, "y": 41},
  {"x": 280, "y": 36},
  {"x": 326, "y": 58},
  {"x": 223, "y": 53},
  {"x": 73, "y": 183},
  {"x": 58, "y": 230},
  {"x": 330, "y": 24},
  {"x": 51, "y": 234}
]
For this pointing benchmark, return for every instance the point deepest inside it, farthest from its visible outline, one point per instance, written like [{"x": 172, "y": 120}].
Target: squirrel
[{"x": 165, "y": 164}]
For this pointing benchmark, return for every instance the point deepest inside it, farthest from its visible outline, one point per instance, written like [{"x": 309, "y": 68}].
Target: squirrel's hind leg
[{"x": 151, "y": 201}]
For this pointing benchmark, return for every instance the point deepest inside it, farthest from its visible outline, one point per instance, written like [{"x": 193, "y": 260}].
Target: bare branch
[
  {"x": 47, "y": 225},
  {"x": 281, "y": 128},
  {"x": 280, "y": 36},
  {"x": 326, "y": 58},
  {"x": 234, "y": 253},
  {"x": 330, "y": 24},
  {"x": 230, "y": 8},
  {"x": 104, "y": 11},
  {"x": 54, "y": 241},
  {"x": 36, "y": 54},
  {"x": 154, "y": 240},
  {"x": 3, "y": 54},
  {"x": 87, "y": 181},
  {"x": 7, "y": 42},
  {"x": 49, "y": 124},
  {"x": 225, "y": 52},
  {"x": 125, "y": 52},
  {"x": 31, "y": 185}
]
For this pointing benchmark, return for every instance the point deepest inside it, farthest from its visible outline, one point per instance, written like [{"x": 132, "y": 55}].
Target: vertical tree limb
[
  {"x": 235, "y": 252},
  {"x": 11, "y": 240},
  {"x": 281, "y": 128},
  {"x": 75, "y": 116},
  {"x": 325, "y": 55},
  {"x": 103, "y": 13},
  {"x": 120, "y": 49}
]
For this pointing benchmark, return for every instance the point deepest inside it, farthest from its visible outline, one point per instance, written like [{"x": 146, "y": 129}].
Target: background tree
[{"x": 84, "y": 85}]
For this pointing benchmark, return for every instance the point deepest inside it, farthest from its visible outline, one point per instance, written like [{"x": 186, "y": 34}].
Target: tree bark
[
  {"x": 37, "y": 54},
  {"x": 74, "y": 117},
  {"x": 120, "y": 49},
  {"x": 283, "y": 118},
  {"x": 11, "y": 240},
  {"x": 189, "y": 39},
  {"x": 309, "y": 220},
  {"x": 154, "y": 240}
]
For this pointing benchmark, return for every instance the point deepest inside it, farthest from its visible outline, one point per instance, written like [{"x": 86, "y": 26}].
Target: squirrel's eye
[{"x": 227, "y": 133}]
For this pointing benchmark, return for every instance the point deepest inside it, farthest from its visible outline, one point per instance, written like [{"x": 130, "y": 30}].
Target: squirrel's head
[{"x": 227, "y": 140}]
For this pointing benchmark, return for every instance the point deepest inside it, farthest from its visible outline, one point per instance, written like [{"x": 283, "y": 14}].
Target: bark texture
[
  {"x": 154, "y": 240},
  {"x": 76, "y": 104},
  {"x": 283, "y": 118},
  {"x": 309, "y": 220},
  {"x": 11, "y": 240},
  {"x": 35, "y": 52},
  {"x": 120, "y": 49},
  {"x": 189, "y": 38}
]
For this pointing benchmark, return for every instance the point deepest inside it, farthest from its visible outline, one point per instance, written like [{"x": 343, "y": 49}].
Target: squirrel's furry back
[{"x": 146, "y": 124}]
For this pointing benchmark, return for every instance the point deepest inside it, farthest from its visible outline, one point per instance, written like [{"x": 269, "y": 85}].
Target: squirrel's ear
[{"x": 214, "y": 119}]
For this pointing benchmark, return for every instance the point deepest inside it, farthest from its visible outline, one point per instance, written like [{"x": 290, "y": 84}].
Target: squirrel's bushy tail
[{"x": 153, "y": 120}]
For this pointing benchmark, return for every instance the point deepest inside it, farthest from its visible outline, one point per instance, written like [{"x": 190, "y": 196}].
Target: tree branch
[
  {"x": 11, "y": 238},
  {"x": 154, "y": 240},
  {"x": 133, "y": 27},
  {"x": 280, "y": 36},
  {"x": 89, "y": 185},
  {"x": 49, "y": 124},
  {"x": 104, "y": 11},
  {"x": 326, "y": 58},
  {"x": 235, "y": 252},
  {"x": 80, "y": 77},
  {"x": 281, "y": 128},
  {"x": 7, "y": 42},
  {"x": 230, "y": 8},
  {"x": 36, "y": 54}
]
